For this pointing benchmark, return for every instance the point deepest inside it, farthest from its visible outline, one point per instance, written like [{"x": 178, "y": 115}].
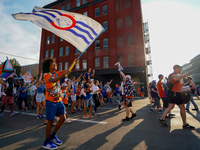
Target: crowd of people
[{"x": 84, "y": 93}]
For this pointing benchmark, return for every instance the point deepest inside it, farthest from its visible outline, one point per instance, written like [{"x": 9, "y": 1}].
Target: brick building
[
  {"x": 33, "y": 68},
  {"x": 122, "y": 41}
]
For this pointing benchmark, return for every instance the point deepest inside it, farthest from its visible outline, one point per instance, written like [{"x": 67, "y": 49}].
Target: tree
[{"x": 16, "y": 66}]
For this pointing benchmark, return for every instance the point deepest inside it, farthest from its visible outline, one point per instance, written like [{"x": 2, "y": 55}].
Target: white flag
[{"x": 77, "y": 29}]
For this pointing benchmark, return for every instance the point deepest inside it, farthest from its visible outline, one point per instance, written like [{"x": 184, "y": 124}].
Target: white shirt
[
  {"x": 95, "y": 88},
  {"x": 33, "y": 90}
]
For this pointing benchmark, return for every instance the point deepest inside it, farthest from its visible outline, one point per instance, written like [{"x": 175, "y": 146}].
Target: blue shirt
[
  {"x": 88, "y": 94},
  {"x": 117, "y": 91},
  {"x": 87, "y": 76},
  {"x": 22, "y": 94},
  {"x": 197, "y": 89},
  {"x": 41, "y": 89},
  {"x": 154, "y": 94}
]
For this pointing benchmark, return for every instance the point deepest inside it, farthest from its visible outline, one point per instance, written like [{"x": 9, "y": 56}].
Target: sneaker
[
  {"x": 171, "y": 115},
  {"x": 2, "y": 114},
  {"x": 38, "y": 117},
  {"x": 84, "y": 117},
  {"x": 49, "y": 145},
  {"x": 67, "y": 121},
  {"x": 163, "y": 122},
  {"x": 56, "y": 141},
  {"x": 73, "y": 112},
  {"x": 133, "y": 115},
  {"x": 90, "y": 116},
  {"x": 195, "y": 109},
  {"x": 160, "y": 112},
  {"x": 96, "y": 114},
  {"x": 151, "y": 111},
  {"x": 41, "y": 116},
  {"x": 13, "y": 114},
  {"x": 187, "y": 126},
  {"x": 80, "y": 109},
  {"x": 125, "y": 119}
]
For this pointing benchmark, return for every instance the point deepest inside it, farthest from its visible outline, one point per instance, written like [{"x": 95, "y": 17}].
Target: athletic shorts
[
  {"x": 73, "y": 97},
  {"x": 54, "y": 109},
  {"x": 175, "y": 98},
  {"x": 40, "y": 97},
  {"x": 78, "y": 97},
  {"x": 66, "y": 105},
  {"x": 7, "y": 99},
  {"x": 128, "y": 102},
  {"x": 88, "y": 101},
  {"x": 165, "y": 102}
]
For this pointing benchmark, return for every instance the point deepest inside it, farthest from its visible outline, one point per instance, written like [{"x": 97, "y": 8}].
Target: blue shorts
[{"x": 54, "y": 109}]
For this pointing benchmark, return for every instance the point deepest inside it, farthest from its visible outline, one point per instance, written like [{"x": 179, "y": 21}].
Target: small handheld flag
[{"x": 28, "y": 77}]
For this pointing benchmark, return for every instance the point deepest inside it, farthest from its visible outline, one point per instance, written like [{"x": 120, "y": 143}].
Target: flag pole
[{"x": 85, "y": 50}]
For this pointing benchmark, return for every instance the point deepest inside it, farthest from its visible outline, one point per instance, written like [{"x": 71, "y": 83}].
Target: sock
[
  {"x": 47, "y": 140},
  {"x": 52, "y": 135}
]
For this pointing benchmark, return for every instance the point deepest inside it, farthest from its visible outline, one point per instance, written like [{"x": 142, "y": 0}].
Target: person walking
[
  {"x": 175, "y": 97},
  {"x": 192, "y": 87}
]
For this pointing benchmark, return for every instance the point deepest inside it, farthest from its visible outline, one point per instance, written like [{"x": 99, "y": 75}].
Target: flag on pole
[
  {"x": 6, "y": 69},
  {"x": 28, "y": 77},
  {"x": 77, "y": 29}
]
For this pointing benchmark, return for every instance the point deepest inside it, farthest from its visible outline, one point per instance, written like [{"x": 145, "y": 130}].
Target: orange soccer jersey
[
  {"x": 52, "y": 86},
  {"x": 65, "y": 96}
]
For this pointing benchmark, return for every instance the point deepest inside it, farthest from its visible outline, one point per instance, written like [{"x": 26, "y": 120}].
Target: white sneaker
[
  {"x": 12, "y": 114},
  {"x": 96, "y": 114},
  {"x": 57, "y": 118},
  {"x": 68, "y": 121},
  {"x": 2, "y": 114}
]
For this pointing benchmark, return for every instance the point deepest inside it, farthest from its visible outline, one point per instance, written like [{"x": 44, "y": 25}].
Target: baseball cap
[
  {"x": 64, "y": 85},
  {"x": 153, "y": 82},
  {"x": 160, "y": 75},
  {"x": 176, "y": 66}
]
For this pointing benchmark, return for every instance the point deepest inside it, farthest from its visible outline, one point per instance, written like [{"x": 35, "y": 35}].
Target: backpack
[{"x": 169, "y": 85}]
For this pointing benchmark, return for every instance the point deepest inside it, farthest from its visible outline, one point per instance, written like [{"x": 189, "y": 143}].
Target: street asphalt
[{"x": 105, "y": 131}]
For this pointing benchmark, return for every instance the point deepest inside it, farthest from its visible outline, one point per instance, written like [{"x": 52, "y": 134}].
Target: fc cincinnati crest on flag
[{"x": 77, "y": 29}]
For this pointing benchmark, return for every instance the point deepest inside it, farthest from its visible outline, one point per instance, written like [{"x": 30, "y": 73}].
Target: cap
[
  {"x": 153, "y": 82},
  {"x": 116, "y": 85},
  {"x": 176, "y": 66},
  {"x": 160, "y": 75},
  {"x": 189, "y": 77},
  {"x": 64, "y": 85}
]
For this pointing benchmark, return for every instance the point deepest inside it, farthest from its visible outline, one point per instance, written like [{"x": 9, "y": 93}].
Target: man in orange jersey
[
  {"x": 175, "y": 97},
  {"x": 54, "y": 104},
  {"x": 162, "y": 91}
]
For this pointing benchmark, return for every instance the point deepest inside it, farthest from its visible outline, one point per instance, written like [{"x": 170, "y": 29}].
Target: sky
[{"x": 173, "y": 27}]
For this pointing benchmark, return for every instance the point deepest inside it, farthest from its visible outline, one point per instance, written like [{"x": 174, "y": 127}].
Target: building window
[
  {"x": 118, "y": 5},
  {"x": 68, "y": 6},
  {"x": 84, "y": 64},
  {"x": 66, "y": 65},
  {"x": 120, "y": 41},
  {"x": 105, "y": 25},
  {"x": 97, "y": 12},
  {"x": 52, "y": 53},
  {"x": 63, "y": 7},
  {"x": 104, "y": 10},
  {"x": 61, "y": 51},
  {"x": 127, "y": 4},
  {"x": 105, "y": 43},
  {"x": 97, "y": 62},
  {"x": 97, "y": 45},
  {"x": 48, "y": 40},
  {"x": 60, "y": 66},
  {"x": 61, "y": 39},
  {"x": 85, "y": 13},
  {"x": 77, "y": 51},
  {"x": 77, "y": 66},
  {"x": 105, "y": 62},
  {"x": 121, "y": 60},
  {"x": 47, "y": 54},
  {"x": 129, "y": 39},
  {"x": 67, "y": 50},
  {"x": 84, "y": 1},
  {"x": 119, "y": 23},
  {"x": 130, "y": 59},
  {"x": 128, "y": 21},
  {"x": 53, "y": 39},
  {"x": 78, "y": 3}
]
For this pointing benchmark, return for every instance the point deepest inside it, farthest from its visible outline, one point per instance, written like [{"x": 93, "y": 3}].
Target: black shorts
[
  {"x": 77, "y": 97},
  {"x": 165, "y": 101},
  {"x": 175, "y": 98},
  {"x": 128, "y": 102},
  {"x": 66, "y": 105}
]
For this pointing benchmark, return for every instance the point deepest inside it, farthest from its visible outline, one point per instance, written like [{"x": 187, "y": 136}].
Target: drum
[{"x": 185, "y": 93}]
